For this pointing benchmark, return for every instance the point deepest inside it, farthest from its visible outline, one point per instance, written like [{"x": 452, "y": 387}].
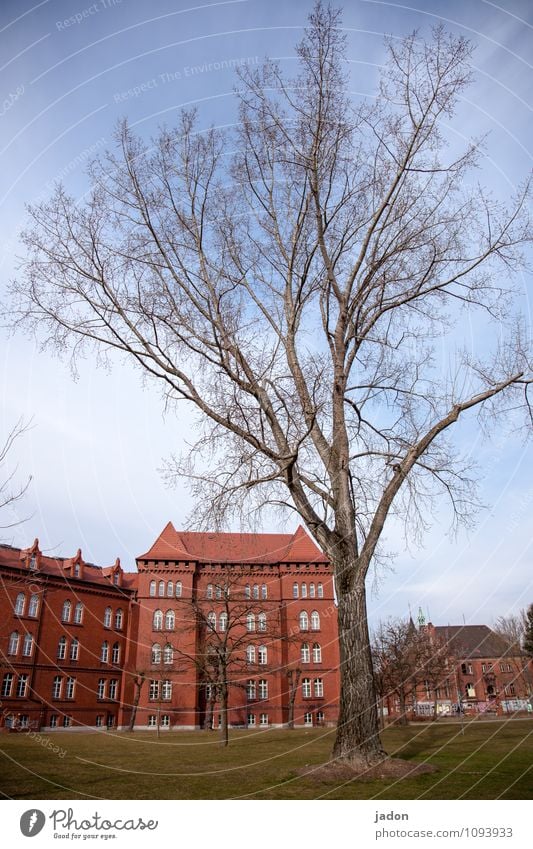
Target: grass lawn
[{"x": 490, "y": 760}]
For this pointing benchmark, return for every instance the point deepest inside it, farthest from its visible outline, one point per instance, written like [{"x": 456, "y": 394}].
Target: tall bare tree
[
  {"x": 9, "y": 492},
  {"x": 512, "y": 627},
  {"x": 294, "y": 281}
]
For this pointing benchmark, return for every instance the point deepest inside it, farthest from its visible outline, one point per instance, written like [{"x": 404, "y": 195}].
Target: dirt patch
[{"x": 389, "y": 768}]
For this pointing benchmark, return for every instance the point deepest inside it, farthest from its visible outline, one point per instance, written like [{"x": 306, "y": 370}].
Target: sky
[{"x": 69, "y": 70}]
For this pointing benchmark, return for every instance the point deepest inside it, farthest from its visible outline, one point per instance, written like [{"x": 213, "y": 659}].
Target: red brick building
[{"x": 75, "y": 638}]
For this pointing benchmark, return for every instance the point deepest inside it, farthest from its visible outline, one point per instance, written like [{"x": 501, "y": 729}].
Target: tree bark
[
  {"x": 224, "y": 734},
  {"x": 358, "y": 739},
  {"x": 138, "y": 682}
]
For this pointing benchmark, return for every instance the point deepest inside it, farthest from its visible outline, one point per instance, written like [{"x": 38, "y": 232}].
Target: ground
[{"x": 489, "y": 760}]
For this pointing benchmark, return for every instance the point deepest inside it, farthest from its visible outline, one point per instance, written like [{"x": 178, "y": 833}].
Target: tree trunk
[
  {"x": 402, "y": 719},
  {"x": 357, "y": 739},
  {"x": 208, "y": 722},
  {"x": 136, "y": 699},
  {"x": 224, "y": 735}
]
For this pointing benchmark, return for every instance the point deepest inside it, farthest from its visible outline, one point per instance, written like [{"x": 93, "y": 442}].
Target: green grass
[{"x": 490, "y": 760}]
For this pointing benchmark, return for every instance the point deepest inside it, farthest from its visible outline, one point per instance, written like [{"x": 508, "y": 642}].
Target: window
[
  {"x": 33, "y": 563},
  {"x": 209, "y": 591},
  {"x": 263, "y": 689},
  {"x": 67, "y": 721},
  {"x": 168, "y": 654},
  {"x": 154, "y": 690},
  {"x": 119, "y": 618},
  {"x": 161, "y": 588},
  {"x": 262, "y": 620},
  {"x": 20, "y": 603},
  {"x": 56, "y": 687},
  {"x": 99, "y": 720},
  {"x": 53, "y": 720},
  {"x": 22, "y": 685},
  {"x": 165, "y": 721},
  {"x": 470, "y": 691},
  {"x": 116, "y": 578},
  {"x": 100, "y": 690},
  {"x": 153, "y": 586},
  {"x": 152, "y": 721},
  {"x": 264, "y": 591},
  {"x": 483, "y": 667},
  {"x": 295, "y": 591},
  {"x": 104, "y": 654},
  {"x": 512, "y": 689},
  {"x": 320, "y": 591},
  {"x": 166, "y": 690},
  {"x": 179, "y": 589},
  {"x": 78, "y": 613},
  {"x": 27, "y": 646},
  {"x": 311, "y": 590},
  {"x": 157, "y": 621},
  {"x": 170, "y": 589},
  {"x": 156, "y": 653},
  {"x": 247, "y": 593},
  {"x": 71, "y": 684},
  {"x": 250, "y": 689},
  {"x": 62, "y": 648},
  {"x": 74, "y": 649},
  {"x": 223, "y": 621},
  {"x": 24, "y": 720},
  {"x": 304, "y": 653},
  {"x": 306, "y": 688},
  {"x": 315, "y": 621},
  {"x": 108, "y": 614},
  {"x": 320, "y": 717},
  {"x": 308, "y": 718},
  {"x": 508, "y": 667},
  {"x": 110, "y": 722},
  {"x": 250, "y": 622},
  {"x": 77, "y": 570},
  {"x": 115, "y": 653},
  {"x": 250, "y": 654},
  {"x": 304, "y": 590},
  {"x": 218, "y": 591},
  {"x": 13, "y": 645},
  {"x": 255, "y": 591},
  {"x": 34, "y": 605},
  {"x": 251, "y": 720},
  {"x": 262, "y": 655},
  {"x": 317, "y": 653},
  {"x": 212, "y": 621},
  {"x": 65, "y": 612},
  {"x": 170, "y": 620},
  {"x": 263, "y": 719},
  {"x": 113, "y": 686},
  {"x": 7, "y": 684},
  {"x": 319, "y": 688},
  {"x": 502, "y": 667},
  {"x": 304, "y": 621}
]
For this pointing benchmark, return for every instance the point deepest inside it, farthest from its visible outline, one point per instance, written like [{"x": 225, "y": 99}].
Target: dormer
[
  {"x": 75, "y": 565},
  {"x": 115, "y": 573},
  {"x": 31, "y": 557}
]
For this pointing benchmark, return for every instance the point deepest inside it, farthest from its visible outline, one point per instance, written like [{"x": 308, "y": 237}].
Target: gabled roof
[
  {"x": 476, "y": 641},
  {"x": 234, "y": 547}
]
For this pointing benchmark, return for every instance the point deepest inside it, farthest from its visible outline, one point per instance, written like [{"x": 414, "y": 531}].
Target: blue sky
[{"x": 68, "y": 72}]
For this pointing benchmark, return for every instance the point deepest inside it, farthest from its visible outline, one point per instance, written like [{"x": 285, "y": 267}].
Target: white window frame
[
  {"x": 306, "y": 688},
  {"x": 33, "y": 608},
  {"x": 27, "y": 645},
  {"x": 108, "y": 617},
  {"x": 20, "y": 604},
  {"x": 157, "y": 620},
  {"x": 262, "y": 655},
  {"x": 14, "y": 640}
]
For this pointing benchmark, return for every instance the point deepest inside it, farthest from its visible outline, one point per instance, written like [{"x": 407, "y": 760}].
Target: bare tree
[
  {"x": 139, "y": 677},
  {"x": 528, "y": 632},
  {"x": 294, "y": 281},
  {"x": 512, "y": 627},
  {"x": 437, "y": 663},
  {"x": 396, "y": 651},
  {"x": 10, "y": 494}
]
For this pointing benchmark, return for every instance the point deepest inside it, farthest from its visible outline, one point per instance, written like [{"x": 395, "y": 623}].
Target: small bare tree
[
  {"x": 294, "y": 282},
  {"x": 10, "y": 494},
  {"x": 397, "y": 662},
  {"x": 512, "y": 627}
]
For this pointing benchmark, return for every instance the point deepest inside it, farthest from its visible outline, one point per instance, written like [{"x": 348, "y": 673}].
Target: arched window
[
  {"x": 170, "y": 620},
  {"x": 168, "y": 654},
  {"x": 209, "y": 591},
  {"x": 27, "y": 646},
  {"x": 13, "y": 643},
  {"x": 119, "y": 618},
  {"x": 78, "y": 613},
  {"x": 320, "y": 591},
  {"x": 315, "y": 621},
  {"x": 170, "y": 589},
  {"x": 250, "y": 622},
  {"x": 262, "y": 620},
  {"x": 65, "y": 613},
  {"x": 262, "y": 655},
  {"x": 250, "y": 654},
  {"x": 179, "y": 589},
  {"x": 20, "y": 604},
  {"x": 108, "y": 614},
  {"x": 104, "y": 655},
  {"x": 317, "y": 653},
  {"x": 223, "y": 621},
  {"x": 156, "y": 653},
  {"x": 157, "y": 621},
  {"x": 218, "y": 591},
  {"x": 247, "y": 591},
  {"x": 304, "y": 590},
  {"x": 115, "y": 653},
  {"x": 74, "y": 649},
  {"x": 153, "y": 588},
  {"x": 34, "y": 605},
  {"x": 304, "y": 621},
  {"x": 304, "y": 653},
  {"x": 212, "y": 621},
  {"x": 161, "y": 588},
  {"x": 311, "y": 590},
  {"x": 264, "y": 591},
  {"x": 295, "y": 592},
  {"x": 62, "y": 648},
  {"x": 255, "y": 591}
]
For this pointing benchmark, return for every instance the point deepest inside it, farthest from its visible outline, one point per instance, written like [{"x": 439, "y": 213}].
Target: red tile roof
[
  {"x": 234, "y": 547},
  {"x": 60, "y": 567}
]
